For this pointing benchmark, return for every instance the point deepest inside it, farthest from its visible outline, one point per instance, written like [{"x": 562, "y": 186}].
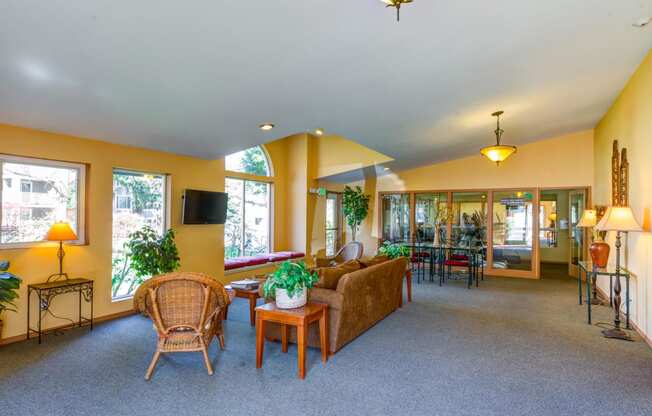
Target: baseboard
[
  {"x": 109, "y": 317},
  {"x": 605, "y": 297}
]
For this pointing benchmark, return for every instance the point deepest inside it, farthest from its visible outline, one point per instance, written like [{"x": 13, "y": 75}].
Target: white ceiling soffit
[{"x": 198, "y": 78}]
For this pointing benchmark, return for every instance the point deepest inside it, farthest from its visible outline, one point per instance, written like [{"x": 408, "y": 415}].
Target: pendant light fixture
[
  {"x": 498, "y": 152},
  {"x": 397, "y": 5}
]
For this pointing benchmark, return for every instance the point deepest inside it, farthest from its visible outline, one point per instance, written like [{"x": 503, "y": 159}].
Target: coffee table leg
[
  {"x": 252, "y": 310},
  {"x": 301, "y": 348},
  {"x": 260, "y": 342},
  {"x": 323, "y": 336},
  {"x": 284, "y": 337}
]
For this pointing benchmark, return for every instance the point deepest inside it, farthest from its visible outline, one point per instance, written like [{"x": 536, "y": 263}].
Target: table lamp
[
  {"x": 619, "y": 219},
  {"x": 60, "y": 231},
  {"x": 599, "y": 250}
]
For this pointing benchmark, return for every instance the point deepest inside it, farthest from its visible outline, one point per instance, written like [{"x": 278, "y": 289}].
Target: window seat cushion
[{"x": 248, "y": 261}]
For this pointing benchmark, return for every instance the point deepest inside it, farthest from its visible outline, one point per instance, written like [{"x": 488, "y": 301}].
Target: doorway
[{"x": 562, "y": 245}]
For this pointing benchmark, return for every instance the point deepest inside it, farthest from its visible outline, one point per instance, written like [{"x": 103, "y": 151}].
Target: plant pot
[
  {"x": 599, "y": 253},
  {"x": 283, "y": 301}
]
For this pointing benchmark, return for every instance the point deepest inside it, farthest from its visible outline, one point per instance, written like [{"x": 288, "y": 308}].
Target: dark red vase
[{"x": 599, "y": 253}]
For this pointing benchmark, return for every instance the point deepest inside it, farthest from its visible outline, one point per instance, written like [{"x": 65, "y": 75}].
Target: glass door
[
  {"x": 576, "y": 205},
  {"x": 428, "y": 219},
  {"x": 396, "y": 217},
  {"x": 513, "y": 226}
]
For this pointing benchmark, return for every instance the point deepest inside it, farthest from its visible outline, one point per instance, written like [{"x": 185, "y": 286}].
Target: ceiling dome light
[
  {"x": 266, "y": 126},
  {"x": 397, "y": 5},
  {"x": 642, "y": 22},
  {"x": 498, "y": 152}
]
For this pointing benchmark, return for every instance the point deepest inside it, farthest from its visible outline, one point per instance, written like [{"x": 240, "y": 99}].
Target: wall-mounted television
[{"x": 203, "y": 207}]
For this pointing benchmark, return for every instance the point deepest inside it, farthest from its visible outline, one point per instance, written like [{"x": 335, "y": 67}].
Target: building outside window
[{"x": 48, "y": 191}]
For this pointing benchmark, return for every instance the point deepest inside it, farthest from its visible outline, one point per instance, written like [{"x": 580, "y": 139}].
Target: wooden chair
[
  {"x": 187, "y": 311},
  {"x": 350, "y": 251}
]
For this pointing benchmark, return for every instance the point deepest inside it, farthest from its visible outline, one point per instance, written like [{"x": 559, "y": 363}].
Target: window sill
[{"x": 40, "y": 244}]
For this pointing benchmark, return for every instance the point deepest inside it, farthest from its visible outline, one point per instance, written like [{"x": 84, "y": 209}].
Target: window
[
  {"x": 248, "y": 222},
  {"x": 252, "y": 161},
  {"x": 139, "y": 200},
  {"x": 246, "y": 232},
  {"x": 396, "y": 217},
  {"x": 48, "y": 192},
  {"x": 333, "y": 223}
]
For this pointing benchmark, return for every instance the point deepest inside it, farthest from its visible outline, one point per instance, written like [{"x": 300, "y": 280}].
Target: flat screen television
[{"x": 203, "y": 207}]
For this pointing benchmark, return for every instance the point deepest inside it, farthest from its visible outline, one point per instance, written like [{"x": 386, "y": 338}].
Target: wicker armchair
[
  {"x": 350, "y": 251},
  {"x": 187, "y": 311}
]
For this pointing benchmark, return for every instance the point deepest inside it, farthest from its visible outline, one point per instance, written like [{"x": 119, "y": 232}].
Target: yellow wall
[
  {"x": 555, "y": 162},
  {"x": 335, "y": 154},
  {"x": 201, "y": 247},
  {"x": 630, "y": 122}
]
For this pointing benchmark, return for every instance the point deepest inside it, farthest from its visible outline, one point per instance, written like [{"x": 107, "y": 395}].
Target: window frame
[
  {"x": 270, "y": 200},
  {"x": 81, "y": 197},
  {"x": 337, "y": 197}
]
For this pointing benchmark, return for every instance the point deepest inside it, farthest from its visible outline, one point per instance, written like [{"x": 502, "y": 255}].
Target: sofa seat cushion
[{"x": 330, "y": 276}]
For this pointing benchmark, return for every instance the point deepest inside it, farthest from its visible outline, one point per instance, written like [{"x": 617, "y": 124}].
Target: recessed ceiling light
[
  {"x": 386, "y": 168},
  {"x": 319, "y": 132},
  {"x": 266, "y": 126},
  {"x": 642, "y": 22}
]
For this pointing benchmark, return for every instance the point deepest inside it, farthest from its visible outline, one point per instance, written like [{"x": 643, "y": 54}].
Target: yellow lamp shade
[
  {"x": 552, "y": 216},
  {"x": 618, "y": 219},
  {"x": 61, "y": 231},
  {"x": 589, "y": 219},
  {"x": 498, "y": 153}
]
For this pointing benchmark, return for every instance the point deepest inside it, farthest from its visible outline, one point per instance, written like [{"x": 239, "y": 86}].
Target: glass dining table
[{"x": 439, "y": 253}]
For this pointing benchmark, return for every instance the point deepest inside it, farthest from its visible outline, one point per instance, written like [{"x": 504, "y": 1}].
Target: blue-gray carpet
[{"x": 511, "y": 347}]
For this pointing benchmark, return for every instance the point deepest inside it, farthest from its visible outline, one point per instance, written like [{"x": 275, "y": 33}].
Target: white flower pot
[{"x": 283, "y": 301}]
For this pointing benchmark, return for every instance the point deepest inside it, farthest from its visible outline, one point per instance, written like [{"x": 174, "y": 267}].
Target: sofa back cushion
[{"x": 330, "y": 276}]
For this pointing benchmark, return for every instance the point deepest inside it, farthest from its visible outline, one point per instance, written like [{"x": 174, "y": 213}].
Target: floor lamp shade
[{"x": 618, "y": 219}]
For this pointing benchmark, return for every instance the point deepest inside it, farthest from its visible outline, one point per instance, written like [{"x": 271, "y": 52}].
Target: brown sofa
[{"x": 361, "y": 299}]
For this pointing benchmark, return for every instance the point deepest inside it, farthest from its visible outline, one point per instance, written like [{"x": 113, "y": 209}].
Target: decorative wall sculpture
[{"x": 619, "y": 177}]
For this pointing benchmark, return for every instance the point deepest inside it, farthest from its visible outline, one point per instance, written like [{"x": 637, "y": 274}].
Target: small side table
[
  {"x": 46, "y": 293},
  {"x": 253, "y": 295},
  {"x": 299, "y": 317},
  {"x": 591, "y": 272}
]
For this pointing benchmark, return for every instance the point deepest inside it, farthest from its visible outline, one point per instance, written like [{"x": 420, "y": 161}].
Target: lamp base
[
  {"x": 57, "y": 276},
  {"x": 616, "y": 333}
]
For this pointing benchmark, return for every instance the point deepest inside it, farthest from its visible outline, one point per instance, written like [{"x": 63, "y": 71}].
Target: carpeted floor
[{"x": 511, "y": 347}]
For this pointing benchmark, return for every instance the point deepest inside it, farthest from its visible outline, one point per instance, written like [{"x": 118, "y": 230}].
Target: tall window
[
  {"x": 139, "y": 200},
  {"x": 35, "y": 194},
  {"x": 247, "y": 229},
  {"x": 333, "y": 223}
]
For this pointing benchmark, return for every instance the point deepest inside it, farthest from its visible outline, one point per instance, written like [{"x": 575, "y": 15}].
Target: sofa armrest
[{"x": 332, "y": 298}]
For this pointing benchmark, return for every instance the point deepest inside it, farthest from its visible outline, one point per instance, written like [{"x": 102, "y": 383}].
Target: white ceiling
[{"x": 198, "y": 77}]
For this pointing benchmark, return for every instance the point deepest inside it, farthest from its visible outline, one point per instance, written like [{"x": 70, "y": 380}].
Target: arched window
[
  {"x": 252, "y": 161},
  {"x": 248, "y": 222}
]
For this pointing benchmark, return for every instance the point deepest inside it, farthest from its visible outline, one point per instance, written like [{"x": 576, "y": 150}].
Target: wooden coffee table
[
  {"x": 299, "y": 317},
  {"x": 253, "y": 297}
]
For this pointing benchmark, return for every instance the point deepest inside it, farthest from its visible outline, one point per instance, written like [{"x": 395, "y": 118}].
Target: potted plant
[
  {"x": 151, "y": 254},
  {"x": 355, "y": 205},
  {"x": 393, "y": 251},
  {"x": 289, "y": 284},
  {"x": 9, "y": 284}
]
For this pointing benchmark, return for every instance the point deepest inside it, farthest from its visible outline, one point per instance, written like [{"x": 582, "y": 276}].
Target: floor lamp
[{"x": 619, "y": 219}]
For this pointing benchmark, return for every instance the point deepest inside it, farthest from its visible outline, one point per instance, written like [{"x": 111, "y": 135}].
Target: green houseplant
[
  {"x": 393, "y": 250},
  {"x": 9, "y": 284},
  {"x": 289, "y": 284},
  {"x": 355, "y": 205},
  {"x": 151, "y": 254}
]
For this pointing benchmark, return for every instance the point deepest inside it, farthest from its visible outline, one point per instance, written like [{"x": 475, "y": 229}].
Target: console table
[
  {"x": 591, "y": 273},
  {"x": 46, "y": 293}
]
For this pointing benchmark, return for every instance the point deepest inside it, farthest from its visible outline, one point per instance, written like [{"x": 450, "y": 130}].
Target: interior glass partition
[
  {"x": 396, "y": 217},
  {"x": 429, "y": 216},
  {"x": 513, "y": 227},
  {"x": 469, "y": 218}
]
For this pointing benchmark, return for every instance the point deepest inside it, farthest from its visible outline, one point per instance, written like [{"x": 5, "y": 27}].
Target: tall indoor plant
[
  {"x": 289, "y": 284},
  {"x": 355, "y": 204},
  {"x": 9, "y": 284},
  {"x": 151, "y": 254}
]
